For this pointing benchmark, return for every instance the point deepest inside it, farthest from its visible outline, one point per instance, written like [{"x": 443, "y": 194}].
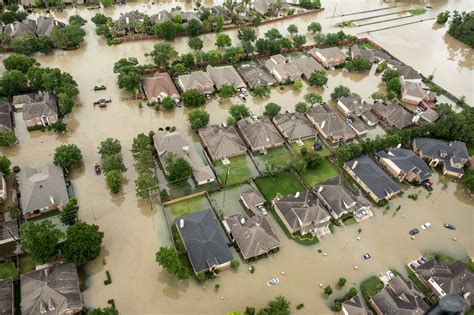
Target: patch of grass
[
  {"x": 26, "y": 264},
  {"x": 284, "y": 184},
  {"x": 349, "y": 221},
  {"x": 470, "y": 150},
  {"x": 423, "y": 289},
  {"x": 419, "y": 11},
  {"x": 345, "y": 24},
  {"x": 317, "y": 175},
  {"x": 368, "y": 45},
  {"x": 369, "y": 287},
  {"x": 189, "y": 206},
  {"x": 240, "y": 169},
  {"x": 440, "y": 257},
  {"x": 7, "y": 270},
  {"x": 276, "y": 156},
  {"x": 308, "y": 143}
]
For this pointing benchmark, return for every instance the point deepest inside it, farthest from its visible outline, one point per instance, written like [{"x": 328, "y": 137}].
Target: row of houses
[{"x": 43, "y": 26}]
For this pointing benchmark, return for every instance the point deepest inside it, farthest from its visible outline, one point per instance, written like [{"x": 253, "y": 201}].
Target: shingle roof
[
  {"x": 407, "y": 161},
  {"x": 6, "y": 123},
  {"x": 256, "y": 76},
  {"x": 281, "y": 65},
  {"x": 414, "y": 89},
  {"x": 5, "y": 229},
  {"x": 408, "y": 73},
  {"x": 126, "y": 19},
  {"x": 255, "y": 236},
  {"x": 358, "y": 52},
  {"x": 355, "y": 104},
  {"x": 330, "y": 53},
  {"x": 307, "y": 65},
  {"x": 45, "y": 105},
  {"x": 330, "y": 123},
  {"x": 56, "y": 287},
  {"x": 373, "y": 176},
  {"x": 39, "y": 185},
  {"x": 295, "y": 125},
  {"x": 6, "y": 297},
  {"x": 394, "y": 113},
  {"x": 261, "y": 133},
  {"x": 225, "y": 75},
  {"x": 355, "y": 306},
  {"x": 204, "y": 240},
  {"x": 198, "y": 80},
  {"x": 17, "y": 29},
  {"x": 160, "y": 17},
  {"x": 45, "y": 25},
  {"x": 222, "y": 142},
  {"x": 252, "y": 198},
  {"x": 159, "y": 85}
]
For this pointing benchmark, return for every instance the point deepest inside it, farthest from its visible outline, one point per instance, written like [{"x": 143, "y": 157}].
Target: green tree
[
  {"x": 113, "y": 163},
  {"x": 163, "y": 54},
  {"x": 5, "y": 165},
  {"x": 41, "y": 240},
  {"x": 114, "y": 181},
  {"x": 231, "y": 121},
  {"x": 341, "y": 282},
  {"x": 299, "y": 41},
  {"x": 26, "y": 44},
  {"x": 376, "y": 96},
  {"x": 145, "y": 185},
  {"x": 223, "y": 40},
  {"x": 129, "y": 78},
  {"x": 461, "y": 28},
  {"x": 359, "y": 64},
  {"x": 13, "y": 82},
  {"x": 301, "y": 107},
  {"x": 103, "y": 311},
  {"x": 273, "y": 34},
  {"x": 67, "y": 156},
  {"x": 298, "y": 85},
  {"x": 178, "y": 168},
  {"x": 390, "y": 74},
  {"x": 14, "y": 210},
  {"x": 141, "y": 143},
  {"x": 167, "y": 30},
  {"x": 239, "y": 111},
  {"x": 292, "y": 29},
  {"x": 198, "y": 118},
  {"x": 310, "y": 4},
  {"x": 69, "y": 212},
  {"x": 7, "y": 139},
  {"x": 313, "y": 159},
  {"x": 235, "y": 264},
  {"x": 83, "y": 242},
  {"x": 394, "y": 85},
  {"x": 351, "y": 293},
  {"x": 313, "y": 98},
  {"x": 261, "y": 91},
  {"x": 77, "y": 20},
  {"x": 100, "y": 19},
  {"x": 195, "y": 43},
  {"x": 272, "y": 109},
  {"x": 194, "y": 28},
  {"x": 277, "y": 306},
  {"x": 340, "y": 91},
  {"x": 314, "y": 27},
  {"x": 193, "y": 98},
  {"x": 109, "y": 147},
  {"x": 328, "y": 290},
  {"x": 247, "y": 34},
  {"x": 67, "y": 37},
  {"x": 226, "y": 91},
  {"x": 442, "y": 17},
  {"x": 167, "y": 103},
  {"x": 318, "y": 78},
  {"x": 18, "y": 62},
  {"x": 167, "y": 257}
]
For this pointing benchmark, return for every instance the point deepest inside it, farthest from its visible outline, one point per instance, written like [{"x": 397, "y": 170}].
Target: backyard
[
  {"x": 240, "y": 169},
  {"x": 7, "y": 270},
  {"x": 283, "y": 183},
  {"x": 319, "y": 174},
  {"x": 188, "y": 206},
  {"x": 277, "y": 156},
  {"x": 228, "y": 200},
  {"x": 369, "y": 287},
  {"x": 308, "y": 143}
]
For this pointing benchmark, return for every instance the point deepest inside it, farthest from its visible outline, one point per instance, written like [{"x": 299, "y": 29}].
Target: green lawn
[
  {"x": 276, "y": 156},
  {"x": 26, "y": 264},
  {"x": 308, "y": 143},
  {"x": 323, "y": 172},
  {"x": 470, "y": 151},
  {"x": 417, "y": 11},
  {"x": 283, "y": 184},
  {"x": 368, "y": 45},
  {"x": 7, "y": 270},
  {"x": 189, "y": 206},
  {"x": 240, "y": 169},
  {"x": 369, "y": 287}
]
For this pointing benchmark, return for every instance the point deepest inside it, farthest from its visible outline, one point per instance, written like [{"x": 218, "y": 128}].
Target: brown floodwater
[{"x": 134, "y": 229}]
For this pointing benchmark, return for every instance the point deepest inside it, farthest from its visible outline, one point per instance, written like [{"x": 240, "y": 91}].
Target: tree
[
  {"x": 13, "y": 82},
  {"x": 273, "y": 34},
  {"x": 314, "y": 27},
  {"x": 340, "y": 91},
  {"x": 359, "y": 64},
  {"x": 129, "y": 78},
  {"x": 292, "y": 29},
  {"x": 141, "y": 143},
  {"x": 5, "y": 165},
  {"x": 239, "y": 111},
  {"x": 298, "y": 85},
  {"x": 272, "y": 109},
  {"x": 301, "y": 107},
  {"x": 67, "y": 37},
  {"x": 103, "y": 311},
  {"x": 310, "y": 4},
  {"x": 223, "y": 40},
  {"x": 261, "y": 91},
  {"x": 246, "y": 34},
  {"x": 194, "y": 28},
  {"x": 226, "y": 91},
  {"x": 395, "y": 85},
  {"x": 235, "y": 264},
  {"x": 67, "y": 156},
  {"x": 41, "y": 240},
  {"x": 167, "y": 257},
  {"x": 167, "y": 103},
  {"x": 277, "y": 306},
  {"x": 313, "y": 159},
  {"x": 145, "y": 184},
  {"x": 231, "y": 121},
  {"x": 193, "y": 98},
  {"x": 110, "y": 147},
  {"x": 198, "y": 118},
  {"x": 442, "y": 17},
  {"x": 166, "y": 30},
  {"x": 83, "y": 242},
  {"x": 77, "y": 20},
  {"x": 113, "y": 163},
  {"x": 100, "y": 19},
  {"x": 376, "y": 96},
  {"x": 178, "y": 168},
  {"x": 18, "y": 62},
  {"x": 328, "y": 290},
  {"x": 351, "y": 293},
  {"x": 299, "y": 41},
  {"x": 163, "y": 54},
  {"x": 313, "y": 98},
  {"x": 114, "y": 180},
  {"x": 69, "y": 212},
  {"x": 7, "y": 139},
  {"x": 318, "y": 78},
  {"x": 460, "y": 27},
  {"x": 195, "y": 43},
  {"x": 14, "y": 210},
  {"x": 341, "y": 282},
  {"x": 390, "y": 74}
]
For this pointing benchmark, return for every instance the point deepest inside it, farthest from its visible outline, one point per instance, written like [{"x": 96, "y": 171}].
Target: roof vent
[
  {"x": 42, "y": 307},
  {"x": 355, "y": 164},
  {"x": 297, "y": 194},
  {"x": 46, "y": 271},
  {"x": 242, "y": 221},
  {"x": 181, "y": 223},
  {"x": 51, "y": 199},
  {"x": 51, "y": 305},
  {"x": 267, "y": 138},
  {"x": 186, "y": 150}
]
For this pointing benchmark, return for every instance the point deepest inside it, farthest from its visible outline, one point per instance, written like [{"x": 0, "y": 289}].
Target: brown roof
[
  {"x": 222, "y": 142},
  {"x": 394, "y": 113},
  {"x": 160, "y": 85},
  {"x": 330, "y": 123}
]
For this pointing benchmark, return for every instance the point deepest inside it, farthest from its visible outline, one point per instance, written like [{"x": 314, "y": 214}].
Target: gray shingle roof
[
  {"x": 256, "y": 76},
  {"x": 252, "y": 198},
  {"x": 407, "y": 161},
  {"x": 261, "y": 133},
  {"x": 5, "y": 229},
  {"x": 6, "y": 122},
  {"x": 204, "y": 240},
  {"x": 45, "y": 105},
  {"x": 295, "y": 125},
  {"x": 56, "y": 287},
  {"x": 127, "y": 19},
  {"x": 330, "y": 123},
  {"x": 160, "y": 17},
  {"x": 6, "y": 297},
  {"x": 373, "y": 176},
  {"x": 355, "y": 104},
  {"x": 408, "y": 73},
  {"x": 225, "y": 75},
  {"x": 45, "y": 25},
  {"x": 160, "y": 85},
  {"x": 395, "y": 114},
  {"x": 222, "y": 142},
  {"x": 198, "y": 80},
  {"x": 307, "y": 65},
  {"x": 358, "y": 52},
  {"x": 355, "y": 306},
  {"x": 17, "y": 29}
]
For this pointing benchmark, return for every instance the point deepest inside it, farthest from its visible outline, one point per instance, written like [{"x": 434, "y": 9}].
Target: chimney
[
  {"x": 267, "y": 139},
  {"x": 46, "y": 271}
]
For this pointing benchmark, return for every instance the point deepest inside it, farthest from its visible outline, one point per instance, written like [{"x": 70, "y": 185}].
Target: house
[
  {"x": 328, "y": 57},
  {"x": 259, "y": 135},
  {"x": 204, "y": 241},
  {"x": 381, "y": 56},
  {"x": 186, "y": 16},
  {"x": 303, "y": 213},
  {"x": 353, "y": 104},
  {"x": 221, "y": 142},
  {"x": 361, "y": 52},
  {"x": 393, "y": 114},
  {"x": 254, "y": 237},
  {"x": 307, "y": 66},
  {"x": 6, "y": 297},
  {"x": 256, "y": 76},
  {"x": 452, "y": 156},
  {"x": 172, "y": 142},
  {"x": 159, "y": 86},
  {"x": 45, "y": 25},
  {"x": 6, "y": 118},
  {"x": 218, "y": 10},
  {"x": 357, "y": 124},
  {"x": 282, "y": 69},
  {"x": 42, "y": 111},
  {"x": 252, "y": 199},
  {"x": 414, "y": 94},
  {"x": 18, "y": 29},
  {"x": 9, "y": 233},
  {"x": 339, "y": 199},
  {"x": 444, "y": 278},
  {"x": 52, "y": 290},
  {"x": 41, "y": 190},
  {"x": 376, "y": 183},
  {"x": 355, "y": 306},
  {"x": 19, "y": 101},
  {"x": 225, "y": 75},
  {"x": 268, "y": 7},
  {"x": 329, "y": 124},
  {"x": 400, "y": 296},
  {"x": 408, "y": 74},
  {"x": 429, "y": 115},
  {"x": 295, "y": 126},
  {"x": 197, "y": 80},
  {"x": 404, "y": 165},
  {"x": 160, "y": 17},
  {"x": 3, "y": 189},
  {"x": 127, "y": 23}
]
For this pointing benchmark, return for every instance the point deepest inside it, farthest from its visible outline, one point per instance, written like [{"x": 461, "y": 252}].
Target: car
[
  {"x": 208, "y": 96},
  {"x": 390, "y": 275},
  {"x": 242, "y": 97},
  {"x": 177, "y": 101},
  {"x": 427, "y": 186},
  {"x": 262, "y": 209},
  {"x": 449, "y": 226},
  {"x": 364, "y": 212},
  {"x": 367, "y": 255},
  {"x": 414, "y": 231},
  {"x": 413, "y": 266},
  {"x": 244, "y": 91},
  {"x": 426, "y": 226},
  {"x": 273, "y": 281}
]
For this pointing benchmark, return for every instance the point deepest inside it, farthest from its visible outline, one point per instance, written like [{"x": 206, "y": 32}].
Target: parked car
[
  {"x": 364, "y": 212},
  {"x": 425, "y": 226},
  {"x": 367, "y": 255},
  {"x": 414, "y": 231},
  {"x": 262, "y": 209},
  {"x": 449, "y": 226},
  {"x": 244, "y": 91},
  {"x": 427, "y": 186},
  {"x": 273, "y": 281},
  {"x": 177, "y": 101},
  {"x": 390, "y": 275},
  {"x": 242, "y": 97},
  {"x": 413, "y": 266}
]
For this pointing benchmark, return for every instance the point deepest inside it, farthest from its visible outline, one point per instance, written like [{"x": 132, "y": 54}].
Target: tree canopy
[
  {"x": 167, "y": 257},
  {"x": 198, "y": 118},
  {"x": 318, "y": 78},
  {"x": 41, "y": 240},
  {"x": 340, "y": 91},
  {"x": 69, "y": 212},
  {"x": 83, "y": 242},
  {"x": 67, "y": 37},
  {"x": 193, "y": 98},
  {"x": 18, "y": 62},
  {"x": 5, "y": 165},
  {"x": 67, "y": 156},
  {"x": 163, "y": 54},
  {"x": 272, "y": 109},
  {"x": 239, "y": 111},
  {"x": 110, "y": 146},
  {"x": 178, "y": 168},
  {"x": 461, "y": 27}
]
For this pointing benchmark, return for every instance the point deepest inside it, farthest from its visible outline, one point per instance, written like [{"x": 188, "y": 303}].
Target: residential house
[
  {"x": 408, "y": 74},
  {"x": 41, "y": 189},
  {"x": 282, "y": 69},
  {"x": 172, "y": 142},
  {"x": 197, "y": 80},
  {"x": 186, "y": 16},
  {"x": 357, "y": 124},
  {"x": 127, "y": 23},
  {"x": 381, "y": 56},
  {"x": 353, "y": 104},
  {"x": 19, "y": 101},
  {"x": 254, "y": 237},
  {"x": 259, "y": 135},
  {"x": 361, "y": 52},
  {"x": 225, "y": 75},
  {"x": 204, "y": 241},
  {"x": 444, "y": 278},
  {"x": 160, "y": 17},
  {"x": 53, "y": 290},
  {"x": 256, "y": 76},
  {"x": 400, "y": 296},
  {"x": 393, "y": 114},
  {"x": 252, "y": 200},
  {"x": 17, "y": 29},
  {"x": 414, "y": 94},
  {"x": 219, "y": 10},
  {"x": 6, "y": 297},
  {"x": 9, "y": 233},
  {"x": 303, "y": 213},
  {"x": 429, "y": 115},
  {"x": 268, "y": 7},
  {"x": 307, "y": 66},
  {"x": 404, "y": 164},
  {"x": 329, "y": 124},
  {"x": 221, "y": 142},
  {"x": 328, "y": 57},
  {"x": 355, "y": 306},
  {"x": 452, "y": 156},
  {"x": 6, "y": 118},
  {"x": 42, "y": 111},
  {"x": 339, "y": 199},
  {"x": 376, "y": 183},
  {"x": 45, "y": 25},
  {"x": 159, "y": 86},
  {"x": 295, "y": 126},
  {"x": 3, "y": 189}
]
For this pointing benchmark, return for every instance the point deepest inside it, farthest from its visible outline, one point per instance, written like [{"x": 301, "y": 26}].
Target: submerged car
[
  {"x": 414, "y": 231},
  {"x": 449, "y": 226},
  {"x": 425, "y": 226},
  {"x": 273, "y": 282},
  {"x": 427, "y": 186},
  {"x": 390, "y": 275},
  {"x": 367, "y": 255}
]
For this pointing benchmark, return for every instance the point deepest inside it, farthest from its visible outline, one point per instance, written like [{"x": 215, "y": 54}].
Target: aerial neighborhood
[{"x": 237, "y": 166}]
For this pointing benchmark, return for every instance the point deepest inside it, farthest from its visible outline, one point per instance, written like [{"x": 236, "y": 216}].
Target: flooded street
[{"x": 134, "y": 230}]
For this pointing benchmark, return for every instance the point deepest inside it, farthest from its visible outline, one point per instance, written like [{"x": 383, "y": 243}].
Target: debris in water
[
  {"x": 355, "y": 267},
  {"x": 413, "y": 237},
  {"x": 358, "y": 238},
  {"x": 320, "y": 285},
  {"x": 454, "y": 238},
  {"x": 283, "y": 273},
  {"x": 324, "y": 254}
]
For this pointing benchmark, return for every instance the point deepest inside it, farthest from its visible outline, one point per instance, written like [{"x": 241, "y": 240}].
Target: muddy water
[{"x": 134, "y": 230}]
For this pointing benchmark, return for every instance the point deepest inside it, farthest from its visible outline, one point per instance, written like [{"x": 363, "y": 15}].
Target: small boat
[
  {"x": 97, "y": 168},
  {"x": 102, "y": 102},
  {"x": 99, "y": 86}
]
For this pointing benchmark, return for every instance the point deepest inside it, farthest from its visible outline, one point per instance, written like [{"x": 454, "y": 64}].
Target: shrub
[
  {"x": 235, "y": 264},
  {"x": 16, "y": 169},
  {"x": 299, "y": 306},
  {"x": 108, "y": 279}
]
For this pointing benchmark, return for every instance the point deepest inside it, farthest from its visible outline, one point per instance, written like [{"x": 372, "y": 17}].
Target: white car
[
  {"x": 242, "y": 97},
  {"x": 390, "y": 275},
  {"x": 273, "y": 282},
  {"x": 425, "y": 226},
  {"x": 244, "y": 91}
]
